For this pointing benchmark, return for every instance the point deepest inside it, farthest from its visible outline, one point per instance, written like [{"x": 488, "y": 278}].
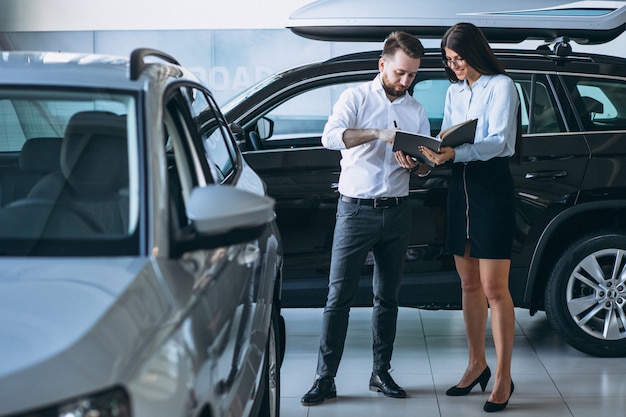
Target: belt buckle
[{"x": 382, "y": 202}]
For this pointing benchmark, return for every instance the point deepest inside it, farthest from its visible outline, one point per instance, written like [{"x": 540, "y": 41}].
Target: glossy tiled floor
[{"x": 551, "y": 378}]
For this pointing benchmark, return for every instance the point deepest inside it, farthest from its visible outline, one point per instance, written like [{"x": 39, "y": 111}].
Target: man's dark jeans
[{"x": 358, "y": 229}]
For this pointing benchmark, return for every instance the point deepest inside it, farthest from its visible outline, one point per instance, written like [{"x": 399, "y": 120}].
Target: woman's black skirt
[{"x": 481, "y": 209}]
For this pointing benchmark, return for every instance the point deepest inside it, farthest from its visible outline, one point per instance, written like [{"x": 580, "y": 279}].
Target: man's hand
[
  {"x": 387, "y": 135},
  {"x": 356, "y": 137},
  {"x": 405, "y": 161}
]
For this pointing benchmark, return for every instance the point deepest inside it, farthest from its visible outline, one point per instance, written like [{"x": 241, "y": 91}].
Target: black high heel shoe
[
  {"x": 493, "y": 407},
  {"x": 482, "y": 379}
]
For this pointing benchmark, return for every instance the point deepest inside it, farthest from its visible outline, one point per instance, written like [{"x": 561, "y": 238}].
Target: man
[{"x": 372, "y": 211}]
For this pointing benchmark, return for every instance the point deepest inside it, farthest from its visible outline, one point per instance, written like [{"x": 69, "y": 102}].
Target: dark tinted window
[
  {"x": 213, "y": 131},
  {"x": 539, "y": 109},
  {"x": 600, "y": 102}
]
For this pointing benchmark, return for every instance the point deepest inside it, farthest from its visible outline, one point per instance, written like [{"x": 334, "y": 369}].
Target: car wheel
[
  {"x": 270, "y": 407},
  {"x": 585, "y": 297}
]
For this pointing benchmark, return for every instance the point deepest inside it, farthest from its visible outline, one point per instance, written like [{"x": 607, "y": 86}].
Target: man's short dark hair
[{"x": 405, "y": 42}]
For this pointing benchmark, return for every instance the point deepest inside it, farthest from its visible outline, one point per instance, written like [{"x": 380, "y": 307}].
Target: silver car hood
[{"x": 70, "y": 326}]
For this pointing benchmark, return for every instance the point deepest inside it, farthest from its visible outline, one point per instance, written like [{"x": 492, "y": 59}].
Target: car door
[
  {"x": 220, "y": 288},
  {"x": 554, "y": 156}
]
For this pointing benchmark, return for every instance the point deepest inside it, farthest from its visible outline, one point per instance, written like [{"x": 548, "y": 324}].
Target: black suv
[{"x": 570, "y": 245}]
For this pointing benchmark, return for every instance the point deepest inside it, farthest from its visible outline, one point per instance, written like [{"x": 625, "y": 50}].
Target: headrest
[
  {"x": 593, "y": 105},
  {"x": 94, "y": 155},
  {"x": 41, "y": 155}
]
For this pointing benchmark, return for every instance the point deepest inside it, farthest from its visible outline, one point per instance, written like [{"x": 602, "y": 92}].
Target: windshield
[
  {"x": 241, "y": 97},
  {"x": 69, "y": 173}
]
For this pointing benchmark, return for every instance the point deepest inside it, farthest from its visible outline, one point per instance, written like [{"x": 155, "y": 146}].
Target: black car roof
[
  {"x": 586, "y": 22},
  {"x": 535, "y": 56}
]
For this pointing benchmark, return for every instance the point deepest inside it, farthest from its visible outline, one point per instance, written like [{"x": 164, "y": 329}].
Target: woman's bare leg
[
  {"x": 474, "y": 314},
  {"x": 494, "y": 275}
]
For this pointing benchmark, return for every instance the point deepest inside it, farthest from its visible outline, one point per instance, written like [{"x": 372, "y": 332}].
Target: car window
[
  {"x": 69, "y": 172},
  {"x": 431, "y": 93},
  {"x": 299, "y": 121},
  {"x": 538, "y": 107},
  {"x": 539, "y": 110},
  {"x": 26, "y": 116},
  {"x": 600, "y": 102},
  {"x": 198, "y": 148},
  {"x": 213, "y": 131},
  {"x": 184, "y": 166}
]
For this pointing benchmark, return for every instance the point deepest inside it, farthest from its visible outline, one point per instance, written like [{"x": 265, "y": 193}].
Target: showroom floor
[{"x": 551, "y": 378}]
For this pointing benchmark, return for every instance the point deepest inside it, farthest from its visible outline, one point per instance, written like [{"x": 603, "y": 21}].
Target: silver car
[{"x": 140, "y": 265}]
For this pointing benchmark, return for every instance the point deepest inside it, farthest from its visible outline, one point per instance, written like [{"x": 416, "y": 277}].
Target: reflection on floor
[{"x": 551, "y": 378}]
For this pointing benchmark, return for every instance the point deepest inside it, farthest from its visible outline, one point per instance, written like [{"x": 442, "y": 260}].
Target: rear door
[{"x": 548, "y": 177}]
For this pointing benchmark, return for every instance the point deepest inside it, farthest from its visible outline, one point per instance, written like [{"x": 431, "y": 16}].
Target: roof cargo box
[{"x": 586, "y": 22}]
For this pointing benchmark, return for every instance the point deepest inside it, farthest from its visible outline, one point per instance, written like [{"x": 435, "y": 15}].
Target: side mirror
[
  {"x": 265, "y": 127},
  {"x": 222, "y": 215}
]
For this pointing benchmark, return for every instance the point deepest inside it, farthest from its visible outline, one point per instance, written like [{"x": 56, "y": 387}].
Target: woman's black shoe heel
[
  {"x": 482, "y": 379},
  {"x": 493, "y": 407}
]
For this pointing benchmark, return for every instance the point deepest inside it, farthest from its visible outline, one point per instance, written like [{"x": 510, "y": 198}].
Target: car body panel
[{"x": 55, "y": 313}]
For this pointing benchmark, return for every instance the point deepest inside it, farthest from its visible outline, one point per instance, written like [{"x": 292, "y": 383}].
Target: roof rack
[
  {"x": 137, "y": 63},
  {"x": 562, "y": 46}
]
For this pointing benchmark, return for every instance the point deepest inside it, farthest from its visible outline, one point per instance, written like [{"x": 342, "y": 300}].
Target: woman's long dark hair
[{"x": 470, "y": 43}]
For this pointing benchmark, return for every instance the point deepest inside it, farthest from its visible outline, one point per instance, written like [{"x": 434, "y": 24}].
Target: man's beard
[{"x": 392, "y": 92}]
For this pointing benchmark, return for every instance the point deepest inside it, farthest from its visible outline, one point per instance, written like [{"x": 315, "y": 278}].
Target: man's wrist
[
  {"x": 420, "y": 172},
  {"x": 424, "y": 174}
]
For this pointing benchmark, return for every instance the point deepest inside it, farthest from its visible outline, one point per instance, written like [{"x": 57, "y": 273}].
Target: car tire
[
  {"x": 270, "y": 405},
  {"x": 585, "y": 298}
]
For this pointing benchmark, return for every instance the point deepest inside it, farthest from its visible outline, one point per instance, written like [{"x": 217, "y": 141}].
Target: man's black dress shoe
[
  {"x": 382, "y": 382},
  {"x": 323, "y": 389}
]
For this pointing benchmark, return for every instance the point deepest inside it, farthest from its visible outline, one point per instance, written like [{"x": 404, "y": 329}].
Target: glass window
[
  {"x": 432, "y": 94},
  {"x": 299, "y": 121},
  {"x": 600, "y": 102},
  {"x": 179, "y": 175},
  {"x": 215, "y": 135},
  {"x": 24, "y": 115},
  {"x": 539, "y": 110},
  {"x": 70, "y": 173},
  {"x": 11, "y": 134}
]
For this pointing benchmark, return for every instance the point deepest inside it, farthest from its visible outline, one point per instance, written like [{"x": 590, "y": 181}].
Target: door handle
[{"x": 545, "y": 175}]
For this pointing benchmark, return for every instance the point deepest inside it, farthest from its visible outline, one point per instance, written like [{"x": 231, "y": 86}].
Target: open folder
[{"x": 456, "y": 135}]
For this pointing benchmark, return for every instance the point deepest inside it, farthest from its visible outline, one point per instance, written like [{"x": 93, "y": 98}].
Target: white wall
[
  {"x": 230, "y": 44},
  {"x": 66, "y": 15}
]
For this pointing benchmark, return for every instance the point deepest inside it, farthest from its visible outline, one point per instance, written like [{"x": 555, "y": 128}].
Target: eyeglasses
[{"x": 453, "y": 62}]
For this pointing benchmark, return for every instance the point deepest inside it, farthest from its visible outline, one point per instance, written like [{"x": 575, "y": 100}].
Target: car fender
[{"x": 551, "y": 232}]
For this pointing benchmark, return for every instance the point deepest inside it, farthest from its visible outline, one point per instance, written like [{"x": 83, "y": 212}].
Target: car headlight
[{"x": 112, "y": 403}]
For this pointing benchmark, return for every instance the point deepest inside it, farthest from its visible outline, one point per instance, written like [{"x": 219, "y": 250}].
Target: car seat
[{"x": 89, "y": 194}]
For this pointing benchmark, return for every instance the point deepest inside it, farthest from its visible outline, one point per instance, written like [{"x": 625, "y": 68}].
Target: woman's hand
[{"x": 446, "y": 153}]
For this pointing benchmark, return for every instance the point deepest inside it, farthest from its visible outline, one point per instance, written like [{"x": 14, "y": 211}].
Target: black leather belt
[{"x": 383, "y": 202}]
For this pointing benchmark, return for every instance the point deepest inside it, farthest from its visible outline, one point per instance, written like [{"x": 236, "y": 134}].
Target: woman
[{"x": 481, "y": 217}]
